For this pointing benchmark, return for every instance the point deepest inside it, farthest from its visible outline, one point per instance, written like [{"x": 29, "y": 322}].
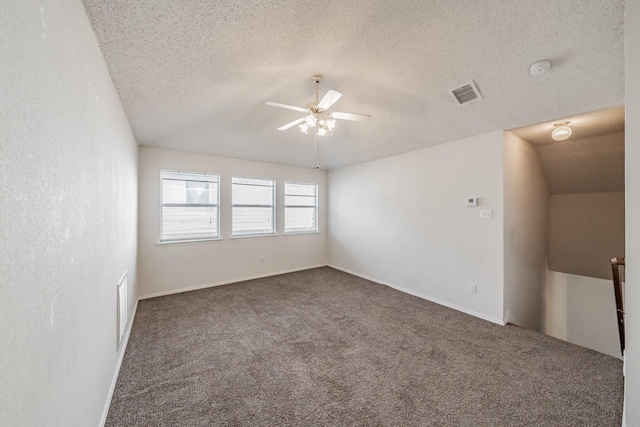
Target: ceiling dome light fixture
[{"x": 561, "y": 131}]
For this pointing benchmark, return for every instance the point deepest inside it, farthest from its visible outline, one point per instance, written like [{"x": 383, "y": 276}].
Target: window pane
[
  {"x": 192, "y": 218},
  {"x": 189, "y": 192},
  {"x": 251, "y": 191},
  {"x": 299, "y": 200},
  {"x": 300, "y": 219},
  {"x": 300, "y": 207},
  {"x": 252, "y": 206},
  {"x": 297, "y": 189},
  {"x": 200, "y": 192},
  {"x": 250, "y": 195},
  {"x": 189, "y": 222},
  {"x": 250, "y": 220},
  {"x": 173, "y": 191}
]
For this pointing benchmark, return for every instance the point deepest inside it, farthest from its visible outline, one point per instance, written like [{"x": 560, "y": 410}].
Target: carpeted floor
[{"x": 324, "y": 348}]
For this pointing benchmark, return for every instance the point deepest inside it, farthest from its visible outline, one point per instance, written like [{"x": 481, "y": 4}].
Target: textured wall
[
  {"x": 175, "y": 267},
  {"x": 68, "y": 172},
  {"x": 403, "y": 221},
  {"x": 526, "y": 231},
  {"x": 632, "y": 183}
]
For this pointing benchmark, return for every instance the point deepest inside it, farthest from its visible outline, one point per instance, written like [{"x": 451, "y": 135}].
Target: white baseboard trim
[
  {"x": 227, "y": 282},
  {"x": 114, "y": 380},
  {"x": 624, "y": 401},
  {"x": 425, "y": 297}
]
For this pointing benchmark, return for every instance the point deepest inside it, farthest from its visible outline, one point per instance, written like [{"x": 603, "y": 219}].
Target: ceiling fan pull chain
[{"x": 315, "y": 143}]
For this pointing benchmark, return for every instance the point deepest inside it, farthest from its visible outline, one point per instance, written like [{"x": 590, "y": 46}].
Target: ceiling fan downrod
[{"x": 317, "y": 78}]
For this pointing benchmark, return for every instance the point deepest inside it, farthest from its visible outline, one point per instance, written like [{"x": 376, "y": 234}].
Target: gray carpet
[{"x": 325, "y": 348}]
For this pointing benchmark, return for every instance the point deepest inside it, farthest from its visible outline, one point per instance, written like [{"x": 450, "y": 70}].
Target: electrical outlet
[{"x": 473, "y": 288}]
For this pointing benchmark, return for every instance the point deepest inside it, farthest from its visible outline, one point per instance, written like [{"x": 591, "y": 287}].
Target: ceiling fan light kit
[{"x": 316, "y": 114}]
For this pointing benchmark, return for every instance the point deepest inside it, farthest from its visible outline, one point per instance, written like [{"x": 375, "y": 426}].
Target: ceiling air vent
[{"x": 466, "y": 94}]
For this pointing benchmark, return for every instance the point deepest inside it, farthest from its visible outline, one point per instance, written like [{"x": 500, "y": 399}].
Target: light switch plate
[
  {"x": 472, "y": 201},
  {"x": 486, "y": 214}
]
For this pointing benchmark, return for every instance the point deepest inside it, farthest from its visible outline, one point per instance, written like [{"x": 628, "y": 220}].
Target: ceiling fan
[{"x": 316, "y": 113}]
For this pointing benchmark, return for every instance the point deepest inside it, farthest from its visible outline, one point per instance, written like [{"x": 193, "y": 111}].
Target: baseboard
[
  {"x": 425, "y": 297},
  {"x": 624, "y": 401},
  {"x": 227, "y": 282},
  {"x": 114, "y": 380}
]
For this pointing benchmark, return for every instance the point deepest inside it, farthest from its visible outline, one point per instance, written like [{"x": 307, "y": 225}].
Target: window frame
[
  {"x": 273, "y": 207},
  {"x": 314, "y": 207},
  {"x": 212, "y": 178}
]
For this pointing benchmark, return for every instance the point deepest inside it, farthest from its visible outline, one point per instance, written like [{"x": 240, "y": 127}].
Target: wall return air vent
[{"x": 466, "y": 94}]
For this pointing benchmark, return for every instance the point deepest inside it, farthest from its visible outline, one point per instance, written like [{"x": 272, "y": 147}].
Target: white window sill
[
  {"x": 253, "y": 236},
  {"x": 300, "y": 233},
  {"x": 188, "y": 242}
]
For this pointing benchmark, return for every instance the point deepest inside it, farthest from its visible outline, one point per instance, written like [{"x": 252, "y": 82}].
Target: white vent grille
[{"x": 466, "y": 94}]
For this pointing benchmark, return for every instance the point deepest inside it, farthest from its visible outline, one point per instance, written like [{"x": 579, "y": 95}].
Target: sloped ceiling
[
  {"x": 588, "y": 165},
  {"x": 195, "y": 75},
  {"x": 590, "y": 161}
]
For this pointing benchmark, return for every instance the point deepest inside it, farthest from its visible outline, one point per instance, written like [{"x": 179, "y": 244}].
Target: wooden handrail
[{"x": 616, "y": 262}]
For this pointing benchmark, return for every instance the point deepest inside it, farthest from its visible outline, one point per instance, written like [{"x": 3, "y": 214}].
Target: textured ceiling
[{"x": 195, "y": 75}]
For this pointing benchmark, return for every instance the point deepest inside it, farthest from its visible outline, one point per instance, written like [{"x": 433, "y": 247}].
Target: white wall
[
  {"x": 591, "y": 314},
  {"x": 555, "y": 308},
  {"x": 403, "y": 221},
  {"x": 582, "y": 310},
  {"x": 526, "y": 231},
  {"x": 587, "y": 230},
  {"x": 68, "y": 168},
  {"x": 632, "y": 185},
  {"x": 165, "y": 269}
]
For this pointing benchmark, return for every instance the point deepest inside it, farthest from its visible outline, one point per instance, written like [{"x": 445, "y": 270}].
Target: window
[
  {"x": 300, "y": 207},
  {"x": 189, "y": 206},
  {"x": 253, "y": 207}
]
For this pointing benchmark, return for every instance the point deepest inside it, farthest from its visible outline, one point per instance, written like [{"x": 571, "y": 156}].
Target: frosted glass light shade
[
  {"x": 310, "y": 120},
  {"x": 561, "y": 133}
]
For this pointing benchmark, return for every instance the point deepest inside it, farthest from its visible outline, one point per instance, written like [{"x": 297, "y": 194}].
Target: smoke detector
[{"x": 539, "y": 68}]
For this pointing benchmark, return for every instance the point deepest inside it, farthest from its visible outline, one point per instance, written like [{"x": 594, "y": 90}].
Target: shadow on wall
[
  {"x": 586, "y": 179},
  {"x": 585, "y": 176}
]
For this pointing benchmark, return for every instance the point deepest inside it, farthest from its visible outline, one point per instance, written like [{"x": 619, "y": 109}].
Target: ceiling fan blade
[
  {"x": 351, "y": 116},
  {"x": 329, "y": 99},
  {"x": 288, "y": 107},
  {"x": 292, "y": 124}
]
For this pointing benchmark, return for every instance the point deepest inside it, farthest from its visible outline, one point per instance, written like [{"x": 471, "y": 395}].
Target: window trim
[
  {"x": 273, "y": 207},
  {"x": 189, "y": 240},
  {"x": 316, "y": 211}
]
